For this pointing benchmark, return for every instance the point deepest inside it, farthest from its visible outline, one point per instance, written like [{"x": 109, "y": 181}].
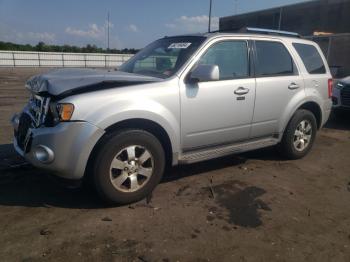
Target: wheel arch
[
  {"x": 137, "y": 123},
  {"x": 309, "y": 105},
  {"x": 150, "y": 126},
  {"x": 314, "y": 108}
]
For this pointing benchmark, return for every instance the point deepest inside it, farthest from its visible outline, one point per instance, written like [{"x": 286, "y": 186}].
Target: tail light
[{"x": 330, "y": 87}]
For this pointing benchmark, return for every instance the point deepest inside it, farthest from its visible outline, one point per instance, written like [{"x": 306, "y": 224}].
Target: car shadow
[
  {"x": 339, "y": 121},
  {"x": 182, "y": 171},
  {"x": 23, "y": 185}
]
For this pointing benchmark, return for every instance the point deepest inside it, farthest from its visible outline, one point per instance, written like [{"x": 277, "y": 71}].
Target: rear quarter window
[{"x": 311, "y": 58}]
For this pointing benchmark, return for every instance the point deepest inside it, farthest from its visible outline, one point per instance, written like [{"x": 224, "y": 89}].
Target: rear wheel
[
  {"x": 128, "y": 166},
  {"x": 299, "y": 135}
]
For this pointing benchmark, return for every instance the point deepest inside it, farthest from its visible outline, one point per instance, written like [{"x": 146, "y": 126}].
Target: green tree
[{"x": 42, "y": 47}]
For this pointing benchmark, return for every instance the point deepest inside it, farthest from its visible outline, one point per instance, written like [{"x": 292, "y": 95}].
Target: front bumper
[{"x": 63, "y": 149}]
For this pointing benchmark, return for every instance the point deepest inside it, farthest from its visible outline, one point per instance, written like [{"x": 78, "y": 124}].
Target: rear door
[{"x": 277, "y": 82}]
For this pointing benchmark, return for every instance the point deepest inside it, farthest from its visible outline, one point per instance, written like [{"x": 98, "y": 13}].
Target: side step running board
[{"x": 206, "y": 154}]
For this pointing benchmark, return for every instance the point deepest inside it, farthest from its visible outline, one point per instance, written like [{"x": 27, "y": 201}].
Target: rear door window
[
  {"x": 273, "y": 59},
  {"x": 311, "y": 58}
]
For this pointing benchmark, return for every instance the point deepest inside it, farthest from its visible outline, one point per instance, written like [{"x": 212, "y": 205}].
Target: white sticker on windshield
[{"x": 179, "y": 45}]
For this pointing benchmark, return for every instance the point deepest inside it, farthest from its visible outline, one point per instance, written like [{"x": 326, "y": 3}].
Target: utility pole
[
  {"x": 236, "y": 7},
  {"x": 108, "y": 32},
  {"x": 280, "y": 19},
  {"x": 209, "y": 25}
]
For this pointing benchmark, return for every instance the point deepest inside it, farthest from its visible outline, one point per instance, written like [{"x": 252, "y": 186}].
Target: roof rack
[
  {"x": 270, "y": 31},
  {"x": 262, "y": 31}
]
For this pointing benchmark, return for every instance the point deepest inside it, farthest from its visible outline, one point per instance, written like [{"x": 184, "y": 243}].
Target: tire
[
  {"x": 291, "y": 146},
  {"x": 140, "y": 171}
]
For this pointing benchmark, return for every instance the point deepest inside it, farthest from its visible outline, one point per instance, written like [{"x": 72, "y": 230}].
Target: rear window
[
  {"x": 273, "y": 59},
  {"x": 311, "y": 58}
]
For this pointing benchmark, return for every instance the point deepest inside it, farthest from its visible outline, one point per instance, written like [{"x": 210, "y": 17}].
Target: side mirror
[{"x": 205, "y": 73}]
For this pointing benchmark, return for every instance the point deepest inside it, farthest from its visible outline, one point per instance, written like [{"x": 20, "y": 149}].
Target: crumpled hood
[{"x": 68, "y": 81}]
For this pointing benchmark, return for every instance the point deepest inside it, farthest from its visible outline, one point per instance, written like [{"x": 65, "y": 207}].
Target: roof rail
[
  {"x": 268, "y": 31},
  {"x": 259, "y": 31}
]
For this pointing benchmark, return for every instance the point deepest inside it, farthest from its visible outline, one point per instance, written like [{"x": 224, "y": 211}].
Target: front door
[{"x": 219, "y": 112}]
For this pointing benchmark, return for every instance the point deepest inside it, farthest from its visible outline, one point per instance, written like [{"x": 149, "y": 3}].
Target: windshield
[{"x": 164, "y": 57}]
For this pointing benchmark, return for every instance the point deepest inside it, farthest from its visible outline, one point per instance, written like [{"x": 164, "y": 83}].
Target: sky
[{"x": 133, "y": 23}]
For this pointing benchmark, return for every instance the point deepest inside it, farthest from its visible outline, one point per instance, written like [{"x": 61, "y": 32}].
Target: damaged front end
[
  {"x": 44, "y": 133},
  {"x": 33, "y": 116},
  {"x": 40, "y": 112},
  {"x": 47, "y": 90}
]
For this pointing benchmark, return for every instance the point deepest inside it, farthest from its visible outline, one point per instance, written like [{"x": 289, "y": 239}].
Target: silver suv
[{"x": 180, "y": 100}]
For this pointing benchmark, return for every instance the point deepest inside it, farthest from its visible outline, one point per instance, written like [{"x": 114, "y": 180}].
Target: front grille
[
  {"x": 345, "y": 96},
  {"x": 38, "y": 108},
  {"x": 25, "y": 122},
  {"x": 33, "y": 116}
]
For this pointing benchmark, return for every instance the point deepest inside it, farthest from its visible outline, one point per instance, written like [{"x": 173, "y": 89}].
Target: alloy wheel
[
  {"x": 302, "y": 135},
  {"x": 131, "y": 168}
]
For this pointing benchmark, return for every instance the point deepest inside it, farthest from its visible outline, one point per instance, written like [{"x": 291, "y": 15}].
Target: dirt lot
[{"x": 251, "y": 207}]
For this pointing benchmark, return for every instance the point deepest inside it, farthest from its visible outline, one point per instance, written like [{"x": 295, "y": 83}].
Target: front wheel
[
  {"x": 128, "y": 166},
  {"x": 299, "y": 135}
]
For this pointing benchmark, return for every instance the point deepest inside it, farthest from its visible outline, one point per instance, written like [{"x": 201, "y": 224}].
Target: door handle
[
  {"x": 293, "y": 86},
  {"x": 241, "y": 91}
]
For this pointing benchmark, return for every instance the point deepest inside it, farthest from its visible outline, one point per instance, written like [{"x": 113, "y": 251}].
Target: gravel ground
[{"x": 250, "y": 207}]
